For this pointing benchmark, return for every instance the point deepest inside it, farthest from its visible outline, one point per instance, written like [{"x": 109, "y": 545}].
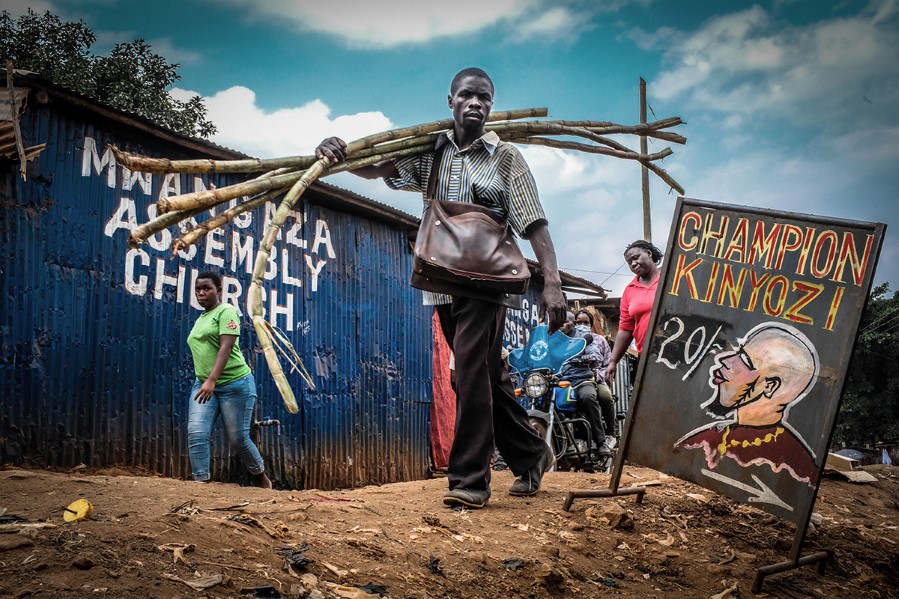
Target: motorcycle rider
[
  {"x": 583, "y": 321},
  {"x": 579, "y": 372}
]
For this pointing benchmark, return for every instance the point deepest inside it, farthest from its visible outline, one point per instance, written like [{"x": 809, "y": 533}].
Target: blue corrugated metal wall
[
  {"x": 358, "y": 423},
  {"x": 94, "y": 364}
]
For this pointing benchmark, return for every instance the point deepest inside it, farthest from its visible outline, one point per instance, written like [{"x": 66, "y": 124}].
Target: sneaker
[
  {"x": 528, "y": 483},
  {"x": 604, "y": 451},
  {"x": 471, "y": 498}
]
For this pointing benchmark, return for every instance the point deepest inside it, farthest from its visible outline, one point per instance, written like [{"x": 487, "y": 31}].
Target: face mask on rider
[{"x": 581, "y": 329}]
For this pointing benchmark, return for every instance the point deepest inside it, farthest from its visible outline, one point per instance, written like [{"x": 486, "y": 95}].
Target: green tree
[
  {"x": 870, "y": 408},
  {"x": 132, "y": 77}
]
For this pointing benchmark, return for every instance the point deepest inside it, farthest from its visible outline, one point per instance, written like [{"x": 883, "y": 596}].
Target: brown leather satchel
[{"x": 465, "y": 249}]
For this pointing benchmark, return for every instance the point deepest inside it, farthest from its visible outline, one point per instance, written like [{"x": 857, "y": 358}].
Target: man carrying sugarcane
[{"x": 476, "y": 166}]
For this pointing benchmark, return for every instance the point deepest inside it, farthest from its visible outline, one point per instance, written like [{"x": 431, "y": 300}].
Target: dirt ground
[{"x": 155, "y": 537}]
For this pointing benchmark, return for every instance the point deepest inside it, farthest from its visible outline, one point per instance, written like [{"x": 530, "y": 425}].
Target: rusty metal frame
[{"x": 820, "y": 559}]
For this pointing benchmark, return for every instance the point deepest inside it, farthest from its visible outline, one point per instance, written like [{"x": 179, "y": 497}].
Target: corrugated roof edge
[
  {"x": 320, "y": 192},
  {"x": 38, "y": 81}
]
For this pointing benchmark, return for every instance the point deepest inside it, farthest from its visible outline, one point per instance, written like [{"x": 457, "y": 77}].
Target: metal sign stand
[
  {"x": 820, "y": 558},
  {"x": 572, "y": 495},
  {"x": 613, "y": 490}
]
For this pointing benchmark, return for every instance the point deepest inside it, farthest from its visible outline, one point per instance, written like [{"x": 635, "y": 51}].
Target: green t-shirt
[{"x": 204, "y": 344}]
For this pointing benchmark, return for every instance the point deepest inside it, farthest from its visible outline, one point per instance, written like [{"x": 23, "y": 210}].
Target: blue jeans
[{"x": 235, "y": 402}]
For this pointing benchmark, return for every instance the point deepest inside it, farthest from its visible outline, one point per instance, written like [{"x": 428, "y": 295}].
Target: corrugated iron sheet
[
  {"x": 8, "y": 114},
  {"x": 94, "y": 366}
]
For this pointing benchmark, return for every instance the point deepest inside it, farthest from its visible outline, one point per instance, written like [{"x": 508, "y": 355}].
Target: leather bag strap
[
  {"x": 432, "y": 177},
  {"x": 432, "y": 174}
]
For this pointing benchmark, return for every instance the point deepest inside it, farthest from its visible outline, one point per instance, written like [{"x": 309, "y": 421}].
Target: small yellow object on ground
[{"x": 80, "y": 509}]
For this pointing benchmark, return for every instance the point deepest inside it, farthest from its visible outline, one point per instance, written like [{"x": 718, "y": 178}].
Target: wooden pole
[
  {"x": 647, "y": 212},
  {"x": 14, "y": 116}
]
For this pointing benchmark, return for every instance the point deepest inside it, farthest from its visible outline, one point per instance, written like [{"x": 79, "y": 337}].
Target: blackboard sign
[{"x": 751, "y": 334}]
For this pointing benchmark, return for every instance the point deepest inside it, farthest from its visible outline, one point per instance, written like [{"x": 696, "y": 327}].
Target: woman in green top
[{"x": 224, "y": 383}]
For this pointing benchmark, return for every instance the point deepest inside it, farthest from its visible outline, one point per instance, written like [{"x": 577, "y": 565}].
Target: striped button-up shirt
[{"x": 490, "y": 170}]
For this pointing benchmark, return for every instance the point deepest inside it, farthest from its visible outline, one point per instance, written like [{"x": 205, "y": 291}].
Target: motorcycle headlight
[{"x": 535, "y": 385}]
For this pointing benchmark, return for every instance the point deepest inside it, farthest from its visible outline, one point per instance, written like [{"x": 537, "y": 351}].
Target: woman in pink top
[{"x": 643, "y": 258}]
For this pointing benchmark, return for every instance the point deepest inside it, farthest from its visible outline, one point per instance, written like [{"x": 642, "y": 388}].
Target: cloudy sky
[{"x": 789, "y": 104}]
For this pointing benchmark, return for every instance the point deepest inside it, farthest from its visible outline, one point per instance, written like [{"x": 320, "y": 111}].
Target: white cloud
[
  {"x": 558, "y": 23},
  {"x": 749, "y": 63},
  {"x": 555, "y": 19},
  {"x": 174, "y": 54},
  {"x": 662, "y": 37},
  {"x": 243, "y": 126},
  {"x": 382, "y": 25},
  {"x": 877, "y": 146},
  {"x": 403, "y": 22},
  {"x": 16, "y": 8},
  {"x": 882, "y": 11},
  {"x": 163, "y": 46},
  {"x": 106, "y": 39}
]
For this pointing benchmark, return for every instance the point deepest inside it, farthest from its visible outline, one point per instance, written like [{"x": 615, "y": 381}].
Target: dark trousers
[
  {"x": 588, "y": 405},
  {"x": 607, "y": 405},
  {"x": 487, "y": 412}
]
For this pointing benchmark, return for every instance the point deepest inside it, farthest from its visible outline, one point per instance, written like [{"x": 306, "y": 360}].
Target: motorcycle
[{"x": 552, "y": 401}]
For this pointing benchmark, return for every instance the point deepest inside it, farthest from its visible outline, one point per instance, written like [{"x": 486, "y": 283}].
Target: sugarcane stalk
[
  {"x": 608, "y": 127},
  {"x": 213, "y": 197},
  {"x": 591, "y": 149},
  {"x": 290, "y": 354},
  {"x": 202, "y": 200},
  {"x": 649, "y": 130},
  {"x": 664, "y": 176},
  {"x": 353, "y": 164},
  {"x": 540, "y": 127},
  {"x": 163, "y": 221},
  {"x": 380, "y": 146},
  {"x": 269, "y": 182},
  {"x": 669, "y": 136},
  {"x": 191, "y": 237},
  {"x": 644, "y": 159},
  {"x": 417, "y": 130},
  {"x": 254, "y": 294},
  {"x": 421, "y": 142},
  {"x": 552, "y": 128},
  {"x": 145, "y": 164}
]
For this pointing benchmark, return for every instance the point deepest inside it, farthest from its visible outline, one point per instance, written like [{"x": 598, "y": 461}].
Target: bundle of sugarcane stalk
[{"x": 291, "y": 176}]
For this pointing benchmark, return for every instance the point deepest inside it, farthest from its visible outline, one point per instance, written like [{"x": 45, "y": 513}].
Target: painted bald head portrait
[{"x": 774, "y": 366}]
